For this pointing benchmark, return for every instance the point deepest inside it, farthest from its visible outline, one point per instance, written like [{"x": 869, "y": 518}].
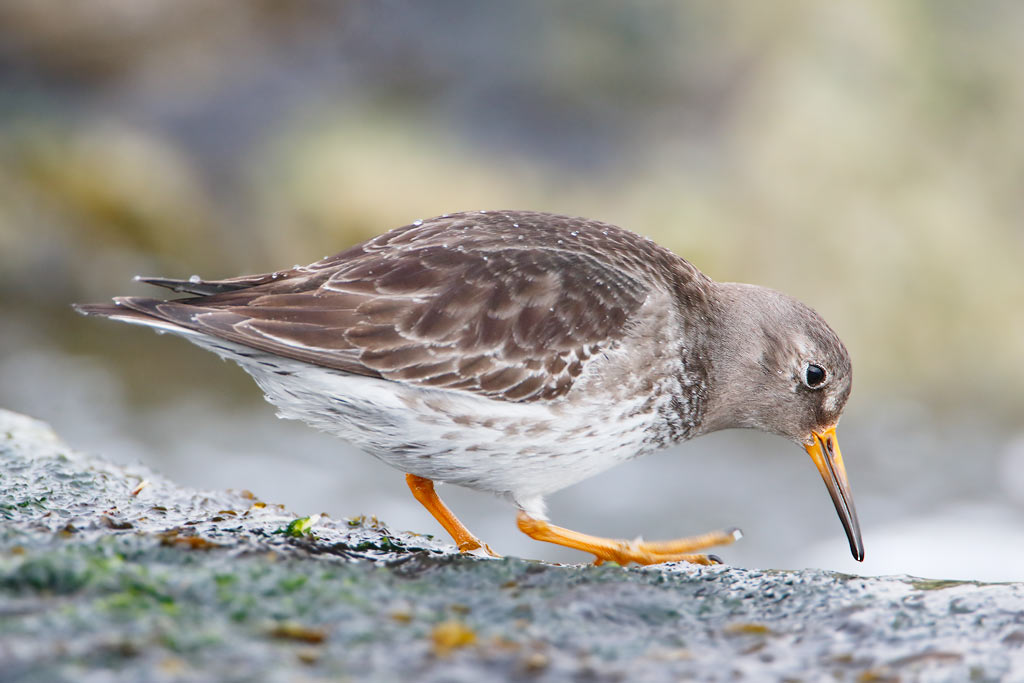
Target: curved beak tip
[{"x": 823, "y": 447}]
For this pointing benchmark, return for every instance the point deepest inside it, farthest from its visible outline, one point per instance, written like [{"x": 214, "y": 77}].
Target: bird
[{"x": 520, "y": 352}]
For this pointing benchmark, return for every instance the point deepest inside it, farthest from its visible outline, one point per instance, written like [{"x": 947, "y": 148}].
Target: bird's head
[{"x": 780, "y": 368}]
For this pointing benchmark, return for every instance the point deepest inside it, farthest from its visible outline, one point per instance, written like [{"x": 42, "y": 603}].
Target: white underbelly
[{"x": 522, "y": 450}]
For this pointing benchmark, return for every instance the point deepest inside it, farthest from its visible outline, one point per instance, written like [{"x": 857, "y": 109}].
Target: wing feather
[{"x": 508, "y": 305}]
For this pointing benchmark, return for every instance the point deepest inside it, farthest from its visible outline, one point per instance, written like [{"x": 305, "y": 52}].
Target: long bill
[{"x": 824, "y": 451}]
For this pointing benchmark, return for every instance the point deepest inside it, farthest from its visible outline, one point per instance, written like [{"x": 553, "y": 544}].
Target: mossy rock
[{"x": 104, "y": 578}]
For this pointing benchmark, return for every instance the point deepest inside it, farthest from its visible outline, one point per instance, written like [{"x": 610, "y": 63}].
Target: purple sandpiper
[{"x": 520, "y": 352}]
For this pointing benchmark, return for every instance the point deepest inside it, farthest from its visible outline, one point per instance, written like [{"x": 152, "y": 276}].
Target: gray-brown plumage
[{"x": 440, "y": 345}]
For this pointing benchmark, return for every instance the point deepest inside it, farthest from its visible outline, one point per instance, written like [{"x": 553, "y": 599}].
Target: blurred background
[{"x": 864, "y": 157}]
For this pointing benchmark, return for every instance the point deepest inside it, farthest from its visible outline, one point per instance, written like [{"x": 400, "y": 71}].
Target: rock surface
[{"x": 115, "y": 574}]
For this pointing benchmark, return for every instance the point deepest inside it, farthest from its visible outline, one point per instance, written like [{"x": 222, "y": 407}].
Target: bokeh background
[{"x": 864, "y": 157}]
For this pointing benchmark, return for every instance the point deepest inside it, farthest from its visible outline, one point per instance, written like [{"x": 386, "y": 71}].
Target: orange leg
[
  {"x": 423, "y": 490},
  {"x": 624, "y": 552}
]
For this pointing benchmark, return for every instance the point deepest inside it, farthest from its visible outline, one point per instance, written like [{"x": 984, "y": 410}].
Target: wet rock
[{"x": 114, "y": 573}]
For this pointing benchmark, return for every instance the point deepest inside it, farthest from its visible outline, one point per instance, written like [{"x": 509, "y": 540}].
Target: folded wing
[{"x": 425, "y": 306}]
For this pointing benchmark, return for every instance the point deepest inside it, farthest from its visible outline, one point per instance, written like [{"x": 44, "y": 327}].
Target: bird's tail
[
  {"x": 105, "y": 310},
  {"x": 199, "y": 287},
  {"x": 136, "y": 310}
]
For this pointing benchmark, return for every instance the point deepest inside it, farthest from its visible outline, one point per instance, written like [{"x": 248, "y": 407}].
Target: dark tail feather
[
  {"x": 99, "y": 309},
  {"x": 124, "y": 308},
  {"x": 197, "y": 286},
  {"x": 138, "y": 309}
]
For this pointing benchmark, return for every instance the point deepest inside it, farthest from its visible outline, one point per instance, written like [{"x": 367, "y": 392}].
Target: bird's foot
[
  {"x": 474, "y": 546},
  {"x": 624, "y": 552},
  {"x": 636, "y": 551}
]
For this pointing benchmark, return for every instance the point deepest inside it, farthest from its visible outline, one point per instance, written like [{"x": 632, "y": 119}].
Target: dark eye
[{"x": 814, "y": 375}]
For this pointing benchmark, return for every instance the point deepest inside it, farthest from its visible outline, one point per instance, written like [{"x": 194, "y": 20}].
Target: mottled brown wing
[{"x": 441, "y": 306}]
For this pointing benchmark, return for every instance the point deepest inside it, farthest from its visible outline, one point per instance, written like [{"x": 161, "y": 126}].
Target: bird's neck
[{"x": 736, "y": 320}]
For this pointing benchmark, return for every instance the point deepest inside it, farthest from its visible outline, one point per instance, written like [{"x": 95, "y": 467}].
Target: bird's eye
[{"x": 814, "y": 375}]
